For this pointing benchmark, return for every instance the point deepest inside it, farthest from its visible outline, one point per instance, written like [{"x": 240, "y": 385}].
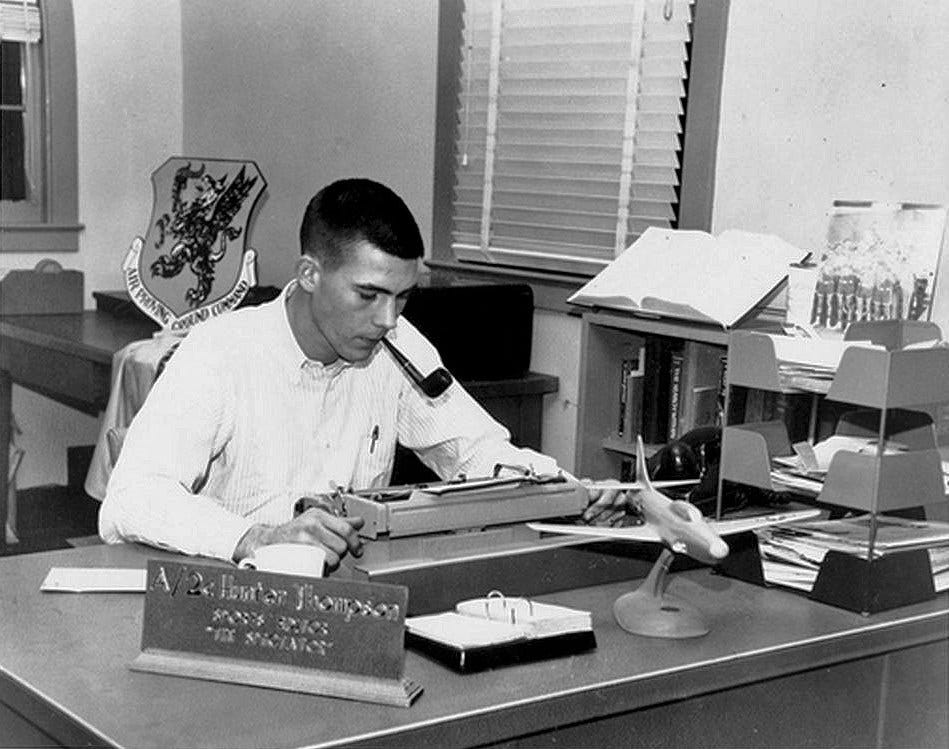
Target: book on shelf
[
  {"x": 723, "y": 418},
  {"x": 656, "y": 389},
  {"x": 676, "y": 364},
  {"x": 682, "y": 387},
  {"x": 632, "y": 373},
  {"x": 496, "y": 630},
  {"x": 693, "y": 275},
  {"x": 701, "y": 386},
  {"x": 633, "y": 408}
]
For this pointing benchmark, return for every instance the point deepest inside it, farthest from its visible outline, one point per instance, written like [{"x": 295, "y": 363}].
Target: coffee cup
[{"x": 289, "y": 559}]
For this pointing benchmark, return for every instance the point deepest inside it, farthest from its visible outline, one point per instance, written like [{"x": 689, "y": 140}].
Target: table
[
  {"x": 776, "y": 670},
  {"x": 69, "y": 358}
]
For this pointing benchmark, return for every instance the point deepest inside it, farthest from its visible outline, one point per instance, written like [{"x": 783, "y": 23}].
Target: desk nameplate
[{"x": 330, "y": 637}]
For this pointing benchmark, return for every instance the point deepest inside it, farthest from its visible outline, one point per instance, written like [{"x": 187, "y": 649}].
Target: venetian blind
[
  {"x": 20, "y": 21},
  {"x": 569, "y": 128}
]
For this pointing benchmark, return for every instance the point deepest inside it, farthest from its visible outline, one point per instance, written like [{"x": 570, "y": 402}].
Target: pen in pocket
[{"x": 373, "y": 439}]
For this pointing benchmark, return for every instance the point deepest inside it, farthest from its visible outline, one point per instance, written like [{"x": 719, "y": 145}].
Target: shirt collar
[{"x": 288, "y": 351}]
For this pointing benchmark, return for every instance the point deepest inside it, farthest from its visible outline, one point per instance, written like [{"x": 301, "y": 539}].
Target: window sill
[
  {"x": 550, "y": 290},
  {"x": 40, "y": 237}
]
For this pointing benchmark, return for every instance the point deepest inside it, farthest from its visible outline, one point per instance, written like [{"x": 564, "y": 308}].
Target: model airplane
[{"x": 680, "y": 527}]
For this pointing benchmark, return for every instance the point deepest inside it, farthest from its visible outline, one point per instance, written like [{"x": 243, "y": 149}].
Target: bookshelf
[
  {"x": 609, "y": 338},
  {"x": 889, "y": 395}
]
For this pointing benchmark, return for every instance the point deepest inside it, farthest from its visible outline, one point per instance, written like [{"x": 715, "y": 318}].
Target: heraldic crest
[{"x": 193, "y": 262}]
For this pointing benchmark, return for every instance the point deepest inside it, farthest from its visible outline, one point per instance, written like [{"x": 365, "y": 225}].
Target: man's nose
[{"x": 386, "y": 314}]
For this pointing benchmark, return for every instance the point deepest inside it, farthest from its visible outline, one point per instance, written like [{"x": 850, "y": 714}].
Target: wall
[
  {"x": 556, "y": 350},
  {"x": 128, "y": 78},
  {"x": 830, "y": 100},
  {"x": 312, "y": 91}
]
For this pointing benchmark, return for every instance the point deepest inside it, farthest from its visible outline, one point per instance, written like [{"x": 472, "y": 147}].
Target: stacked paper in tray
[
  {"x": 805, "y": 471},
  {"x": 810, "y": 363},
  {"x": 791, "y": 554}
]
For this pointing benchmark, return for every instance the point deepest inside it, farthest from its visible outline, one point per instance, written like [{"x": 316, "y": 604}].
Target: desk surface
[
  {"x": 64, "y": 658},
  {"x": 94, "y": 335}
]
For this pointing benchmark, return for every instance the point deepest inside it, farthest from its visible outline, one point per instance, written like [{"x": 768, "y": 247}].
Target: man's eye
[{"x": 368, "y": 296}]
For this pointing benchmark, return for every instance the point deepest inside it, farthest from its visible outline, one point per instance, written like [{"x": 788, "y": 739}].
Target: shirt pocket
[{"x": 376, "y": 454}]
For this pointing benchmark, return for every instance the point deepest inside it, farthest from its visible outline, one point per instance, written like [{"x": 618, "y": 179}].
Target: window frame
[
  {"x": 696, "y": 195},
  {"x": 57, "y": 228}
]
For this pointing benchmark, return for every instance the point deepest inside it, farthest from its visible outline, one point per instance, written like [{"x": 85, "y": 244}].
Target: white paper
[
  {"x": 819, "y": 353},
  {"x": 463, "y": 631},
  {"x": 94, "y": 580}
]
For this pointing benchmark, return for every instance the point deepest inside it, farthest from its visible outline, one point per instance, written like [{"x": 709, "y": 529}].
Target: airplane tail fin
[{"x": 642, "y": 475}]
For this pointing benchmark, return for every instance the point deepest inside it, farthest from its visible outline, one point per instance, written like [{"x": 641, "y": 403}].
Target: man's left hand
[{"x": 606, "y": 506}]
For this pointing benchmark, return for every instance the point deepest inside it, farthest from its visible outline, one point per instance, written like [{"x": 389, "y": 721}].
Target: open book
[
  {"x": 485, "y": 632},
  {"x": 693, "y": 275}
]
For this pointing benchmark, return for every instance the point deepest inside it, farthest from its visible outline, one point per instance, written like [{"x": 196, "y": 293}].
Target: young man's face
[{"x": 353, "y": 305}]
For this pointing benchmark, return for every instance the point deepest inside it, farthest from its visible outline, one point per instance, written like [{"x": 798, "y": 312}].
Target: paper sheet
[
  {"x": 94, "y": 580},
  {"x": 463, "y": 631}
]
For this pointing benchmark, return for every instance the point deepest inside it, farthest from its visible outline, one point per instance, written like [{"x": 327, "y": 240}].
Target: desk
[
  {"x": 69, "y": 358},
  {"x": 776, "y": 670}
]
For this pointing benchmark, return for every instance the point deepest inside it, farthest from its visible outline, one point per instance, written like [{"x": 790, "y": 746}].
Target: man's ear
[{"x": 308, "y": 271}]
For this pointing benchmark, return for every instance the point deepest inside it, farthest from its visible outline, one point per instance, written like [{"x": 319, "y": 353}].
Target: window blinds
[
  {"x": 20, "y": 21},
  {"x": 569, "y": 129}
]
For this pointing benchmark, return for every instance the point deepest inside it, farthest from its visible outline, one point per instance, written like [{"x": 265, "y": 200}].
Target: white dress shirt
[{"x": 241, "y": 424}]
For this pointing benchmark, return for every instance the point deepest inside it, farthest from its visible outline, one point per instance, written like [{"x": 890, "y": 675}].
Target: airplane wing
[
  {"x": 635, "y": 485},
  {"x": 740, "y": 525},
  {"x": 646, "y": 533},
  {"x": 633, "y": 533}
]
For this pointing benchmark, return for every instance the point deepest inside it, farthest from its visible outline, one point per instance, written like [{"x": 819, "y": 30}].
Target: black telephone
[
  {"x": 697, "y": 455},
  {"x": 694, "y": 455}
]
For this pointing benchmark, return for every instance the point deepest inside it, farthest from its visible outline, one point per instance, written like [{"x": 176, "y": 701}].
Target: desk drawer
[{"x": 72, "y": 381}]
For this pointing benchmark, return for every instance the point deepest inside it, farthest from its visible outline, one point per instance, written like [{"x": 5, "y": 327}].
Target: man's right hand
[{"x": 338, "y": 535}]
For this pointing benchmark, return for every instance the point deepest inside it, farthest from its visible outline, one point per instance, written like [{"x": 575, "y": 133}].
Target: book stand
[{"x": 651, "y": 611}]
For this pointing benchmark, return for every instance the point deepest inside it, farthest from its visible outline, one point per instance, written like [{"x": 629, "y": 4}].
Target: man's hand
[
  {"x": 606, "y": 506},
  {"x": 338, "y": 535}
]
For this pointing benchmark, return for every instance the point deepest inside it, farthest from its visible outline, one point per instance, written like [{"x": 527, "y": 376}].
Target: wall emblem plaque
[{"x": 194, "y": 262}]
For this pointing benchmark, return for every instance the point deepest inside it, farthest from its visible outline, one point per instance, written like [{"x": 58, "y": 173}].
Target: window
[
  {"x": 561, "y": 128},
  {"x": 21, "y": 91},
  {"x": 38, "y": 193}
]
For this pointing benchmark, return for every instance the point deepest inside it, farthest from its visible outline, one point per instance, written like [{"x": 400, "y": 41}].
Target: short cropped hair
[{"x": 352, "y": 210}]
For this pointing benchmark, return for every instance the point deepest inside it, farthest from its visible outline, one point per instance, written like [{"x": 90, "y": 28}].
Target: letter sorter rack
[{"x": 893, "y": 389}]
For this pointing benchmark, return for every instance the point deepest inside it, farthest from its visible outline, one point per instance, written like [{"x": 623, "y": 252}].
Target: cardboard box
[{"x": 47, "y": 289}]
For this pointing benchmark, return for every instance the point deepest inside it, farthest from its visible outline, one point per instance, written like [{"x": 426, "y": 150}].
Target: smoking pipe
[{"x": 433, "y": 385}]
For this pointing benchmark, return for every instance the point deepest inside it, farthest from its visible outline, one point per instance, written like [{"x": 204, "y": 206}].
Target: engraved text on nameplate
[{"x": 337, "y": 625}]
